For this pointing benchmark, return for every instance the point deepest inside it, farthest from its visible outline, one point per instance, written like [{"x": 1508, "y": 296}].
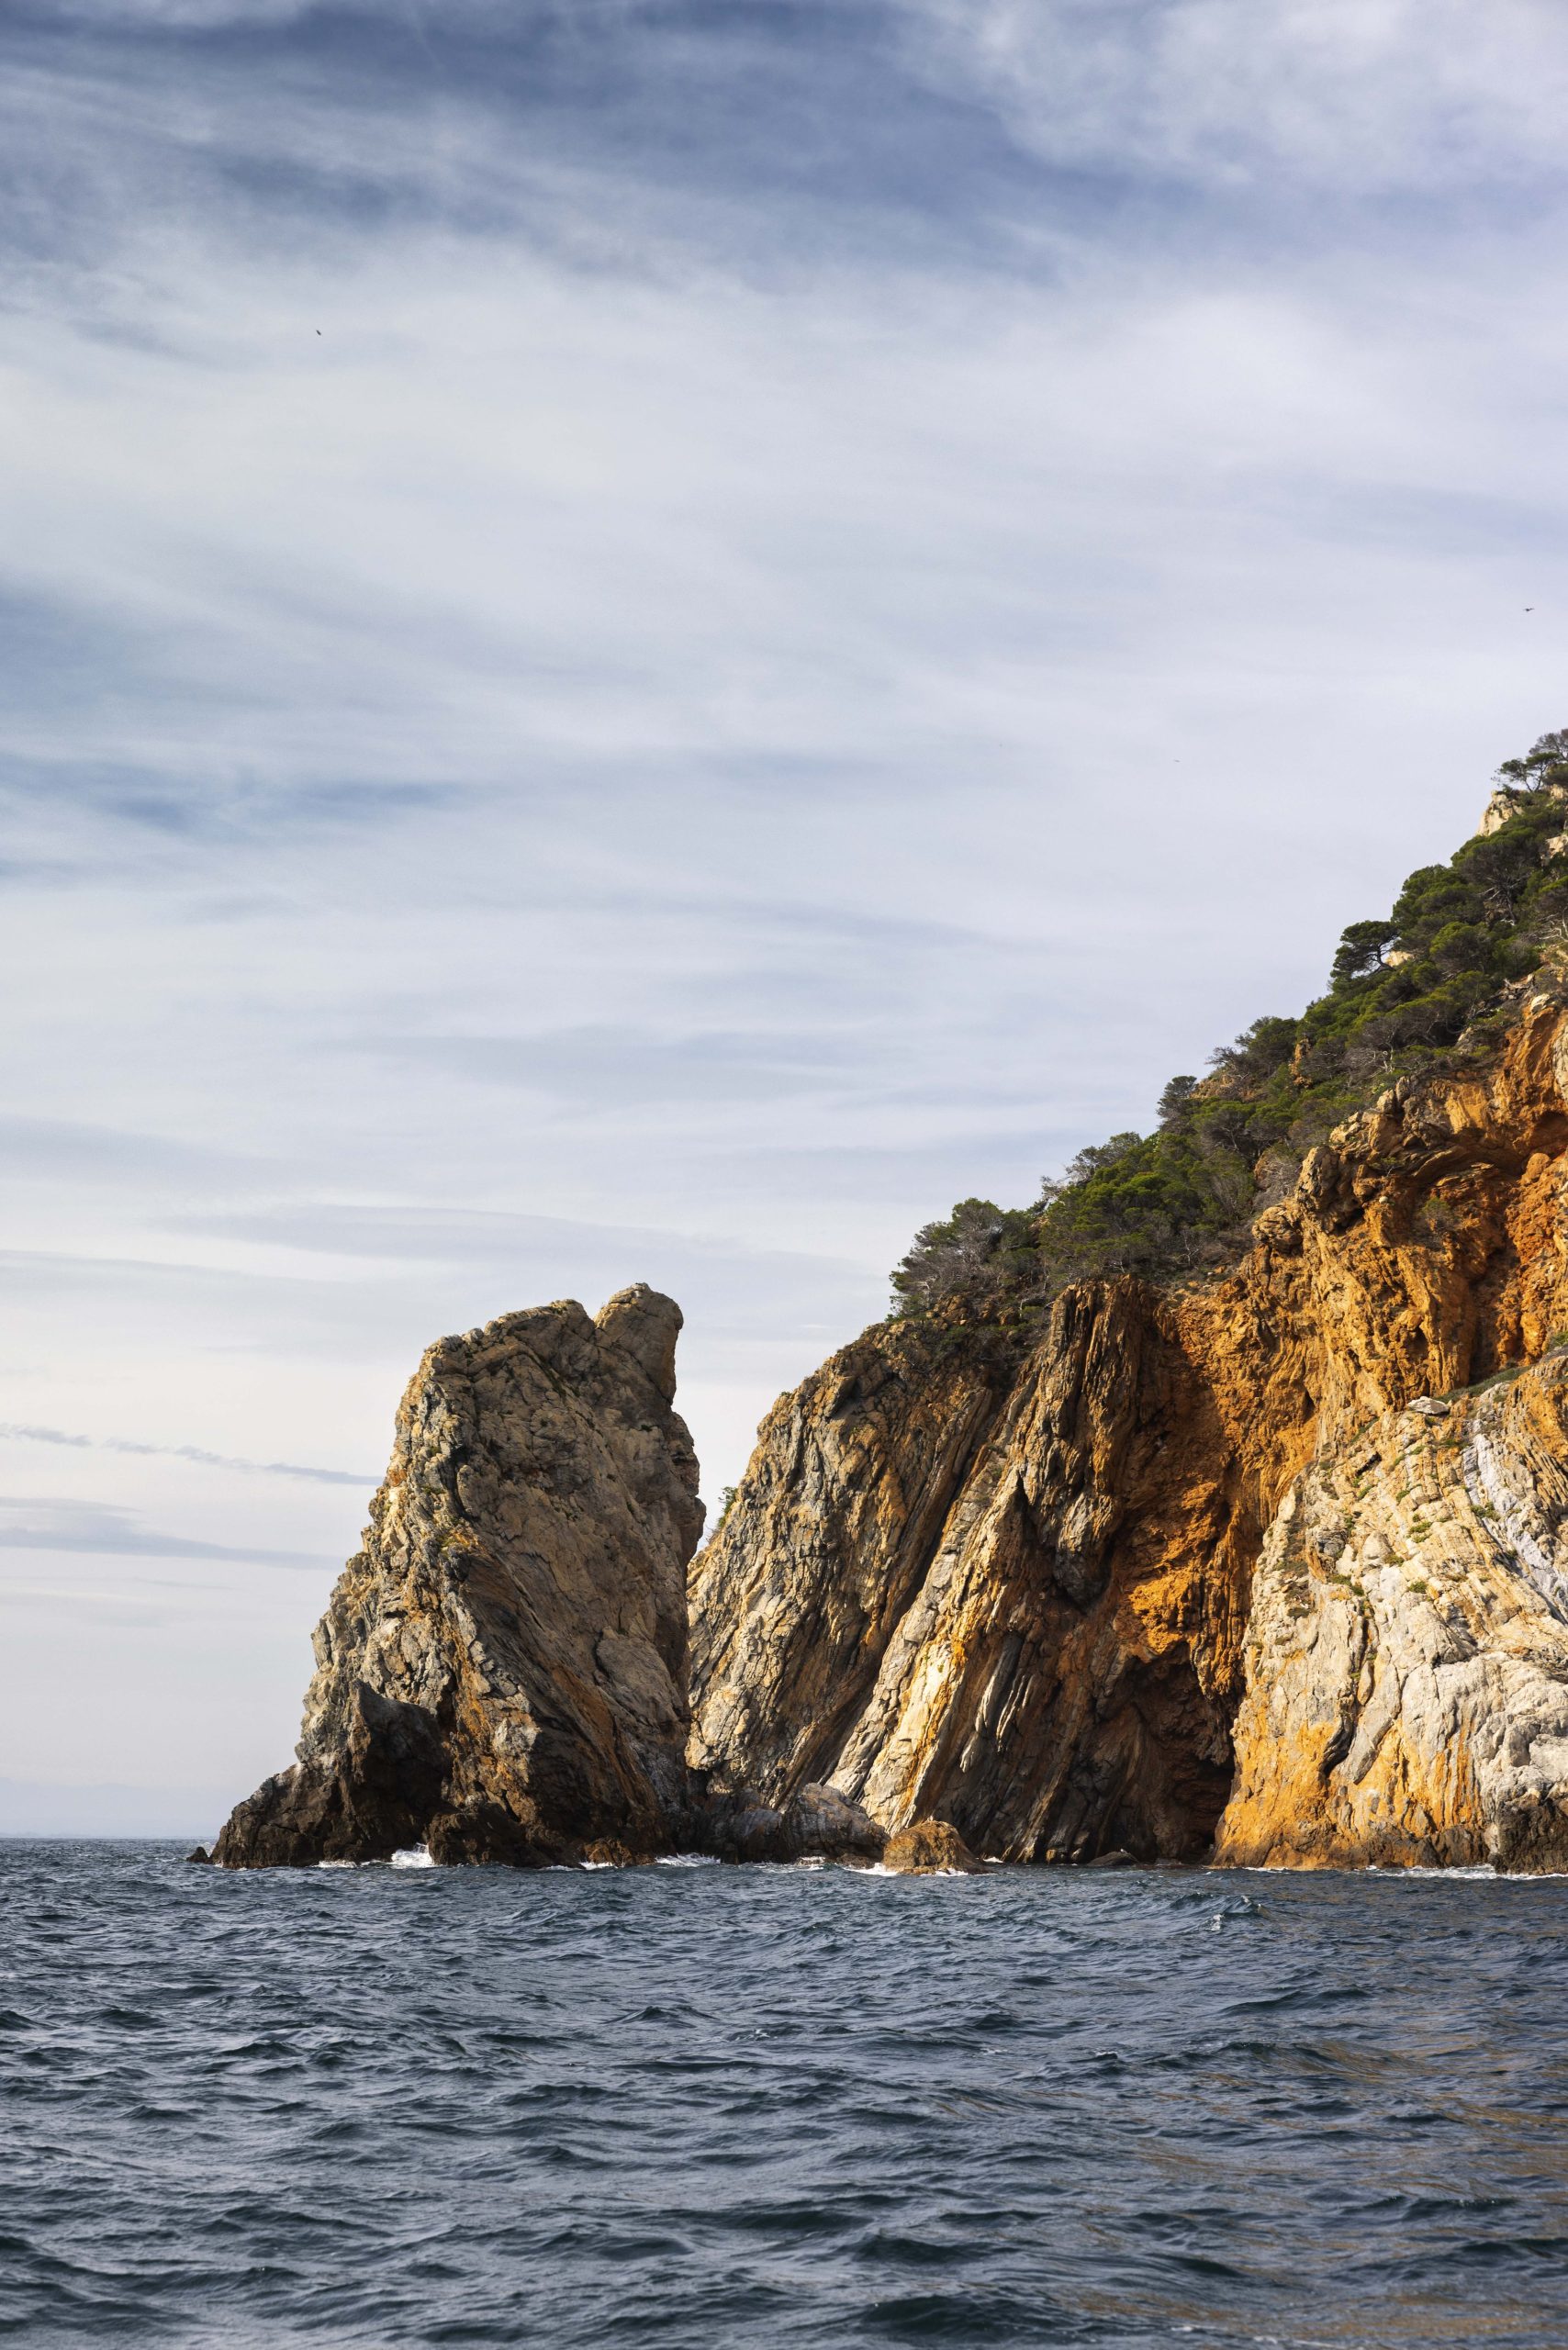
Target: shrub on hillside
[
  {"x": 979, "y": 1251},
  {"x": 1404, "y": 990}
]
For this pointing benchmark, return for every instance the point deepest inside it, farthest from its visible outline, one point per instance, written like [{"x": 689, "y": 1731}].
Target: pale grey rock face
[
  {"x": 922, "y": 1593},
  {"x": 1407, "y": 1658},
  {"x": 502, "y": 1671},
  {"x": 827, "y": 1544}
]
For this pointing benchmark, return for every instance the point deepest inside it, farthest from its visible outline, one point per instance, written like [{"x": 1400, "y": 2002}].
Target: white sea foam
[
  {"x": 415, "y": 1857},
  {"x": 1483, "y": 1874},
  {"x": 1489, "y": 1875},
  {"x": 689, "y": 1860},
  {"x": 880, "y": 1868}
]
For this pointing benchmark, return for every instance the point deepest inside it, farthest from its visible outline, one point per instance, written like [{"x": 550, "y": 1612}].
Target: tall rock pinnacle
[{"x": 501, "y": 1670}]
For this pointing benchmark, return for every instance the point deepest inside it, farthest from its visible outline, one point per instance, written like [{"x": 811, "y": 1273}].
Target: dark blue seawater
[{"x": 702, "y": 2109}]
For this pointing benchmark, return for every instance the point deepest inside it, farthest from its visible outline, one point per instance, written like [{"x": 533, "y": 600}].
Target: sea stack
[{"x": 501, "y": 1670}]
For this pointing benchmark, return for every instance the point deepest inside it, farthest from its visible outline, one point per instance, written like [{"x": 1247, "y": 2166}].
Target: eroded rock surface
[
  {"x": 817, "y": 1823},
  {"x": 1406, "y": 1698},
  {"x": 1273, "y": 1556},
  {"x": 827, "y": 1543},
  {"x": 502, "y": 1671},
  {"x": 930, "y": 1848},
  {"x": 1037, "y": 1644},
  {"x": 1005, "y": 1580}
]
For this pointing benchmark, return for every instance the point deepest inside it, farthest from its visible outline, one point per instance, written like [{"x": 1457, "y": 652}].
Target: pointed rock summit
[{"x": 502, "y": 1671}]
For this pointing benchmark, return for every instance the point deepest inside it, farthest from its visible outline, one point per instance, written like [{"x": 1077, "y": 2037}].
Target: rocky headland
[
  {"x": 1130, "y": 1603},
  {"x": 1213, "y": 1504}
]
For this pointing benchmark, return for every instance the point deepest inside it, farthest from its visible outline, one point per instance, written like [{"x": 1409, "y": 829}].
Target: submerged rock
[{"x": 502, "y": 1671}]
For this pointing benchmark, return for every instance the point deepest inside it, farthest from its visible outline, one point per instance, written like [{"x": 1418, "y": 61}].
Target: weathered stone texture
[
  {"x": 502, "y": 1671},
  {"x": 988, "y": 1663},
  {"x": 930, "y": 1848},
  {"x": 1258, "y": 1556},
  {"x": 826, "y": 1542},
  {"x": 1008, "y": 1585},
  {"x": 1408, "y": 1657}
]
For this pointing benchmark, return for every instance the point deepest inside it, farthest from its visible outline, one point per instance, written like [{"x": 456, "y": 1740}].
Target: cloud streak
[
  {"x": 1342, "y": 99},
  {"x": 100, "y": 1529},
  {"x": 14, "y": 1432}
]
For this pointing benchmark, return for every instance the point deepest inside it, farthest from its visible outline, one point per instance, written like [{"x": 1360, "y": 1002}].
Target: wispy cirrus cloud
[
  {"x": 1339, "y": 98},
  {"x": 46, "y": 1522},
  {"x": 16, "y": 1432}
]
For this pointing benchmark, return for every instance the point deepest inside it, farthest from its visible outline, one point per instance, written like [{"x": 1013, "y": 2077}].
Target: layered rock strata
[
  {"x": 827, "y": 1543},
  {"x": 502, "y": 1671},
  {"x": 1008, "y": 1585},
  {"x": 979, "y": 1662},
  {"x": 1406, "y": 1661}
]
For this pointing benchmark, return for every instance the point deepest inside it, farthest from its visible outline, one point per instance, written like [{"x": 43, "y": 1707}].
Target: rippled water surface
[{"x": 705, "y": 2107}]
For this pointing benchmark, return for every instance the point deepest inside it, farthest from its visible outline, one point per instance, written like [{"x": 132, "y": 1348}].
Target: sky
[{"x": 645, "y": 641}]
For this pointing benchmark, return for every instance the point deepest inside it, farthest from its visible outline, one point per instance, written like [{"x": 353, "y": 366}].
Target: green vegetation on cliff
[{"x": 1425, "y": 989}]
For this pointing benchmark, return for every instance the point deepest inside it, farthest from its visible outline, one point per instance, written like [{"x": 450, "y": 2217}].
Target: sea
[{"x": 700, "y": 2107}]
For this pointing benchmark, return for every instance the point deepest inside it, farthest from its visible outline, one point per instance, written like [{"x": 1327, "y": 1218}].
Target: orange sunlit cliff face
[{"x": 1271, "y": 1557}]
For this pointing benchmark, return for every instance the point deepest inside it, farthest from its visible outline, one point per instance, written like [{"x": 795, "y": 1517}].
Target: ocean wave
[{"x": 758, "y": 2108}]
